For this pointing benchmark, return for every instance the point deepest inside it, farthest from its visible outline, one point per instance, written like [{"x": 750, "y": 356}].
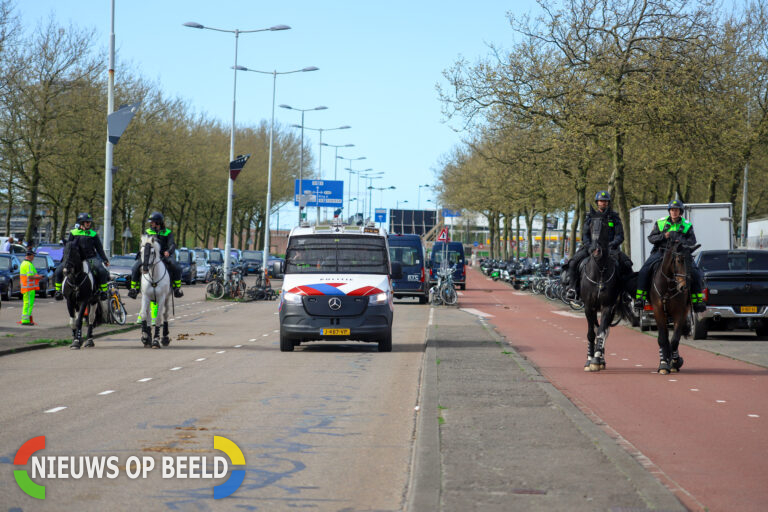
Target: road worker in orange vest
[{"x": 30, "y": 283}]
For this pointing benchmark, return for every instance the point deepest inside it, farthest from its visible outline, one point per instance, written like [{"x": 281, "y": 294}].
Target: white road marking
[
  {"x": 720, "y": 401},
  {"x": 145, "y": 379},
  {"x": 568, "y": 313},
  {"x": 276, "y": 330},
  {"x": 221, "y": 351},
  {"x": 107, "y": 392},
  {"x": 753, "y": 415},
  {"x": 519, "y": 293},
  {"x": 265, "y": 334},
  {"x": 476, "y": 312},
  {"x": 238, "y": 346},
  {"x": 638, "y": 365},
  {"x": 201, "y": 359},
  {"x": 624, "y": 359},
  {"x": 694, "y": 389},
  {"x": 431, "y": 315},
  {"x": 56, "y": 409},
  {"x": 176, "y": 368},
  {"x": 672, "y": 380},
  {"x": 252, "y": 339},
  {"x": 459, "y": 294}
]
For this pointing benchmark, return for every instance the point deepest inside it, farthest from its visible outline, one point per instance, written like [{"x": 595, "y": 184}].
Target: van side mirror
[
  {"x": 397, "y": 270},
  {"x": 277, "y": 268},
  {"x": 15, "y": 266}
]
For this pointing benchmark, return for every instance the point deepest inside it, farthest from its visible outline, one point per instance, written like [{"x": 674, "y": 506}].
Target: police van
[{"x": 337, "y": 286}]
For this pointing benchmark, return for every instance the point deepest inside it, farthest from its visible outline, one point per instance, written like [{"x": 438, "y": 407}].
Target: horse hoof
[
  {"x": 677, "y": 363},
  {"x": 89, "y": 344},
  {"x": 166, "y": 341},
  {"x": 75, "y": 345},
  {"x": 602, "y": 366},
  {"x": 594, "y": 367},
  {"x": 663, "y": 371},
  {"x": 155, "y": 344}
]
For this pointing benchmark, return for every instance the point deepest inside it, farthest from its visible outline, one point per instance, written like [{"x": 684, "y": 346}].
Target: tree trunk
[
  {"x": 575, "y": 226},
  {"x": 617, "y": 183},
  {"x": 543, "y": 236},
  {"x": 712, "y": 189},
  {"x": 529, "y": 227},
  {"x": 517, "y": 235},
  {"x": 34, "y": 189},
  {"x": 506, "y": 236},
  {"x": 565, "y": 234}
]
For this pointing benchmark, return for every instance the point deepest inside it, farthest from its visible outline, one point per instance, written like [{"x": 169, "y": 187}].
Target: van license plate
[
  {"x": 749, "y": 309},
  {"x": 334, "y": 332}
]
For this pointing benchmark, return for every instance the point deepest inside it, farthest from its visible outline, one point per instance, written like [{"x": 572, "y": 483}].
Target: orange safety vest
[{"x": 30, "y": 280}]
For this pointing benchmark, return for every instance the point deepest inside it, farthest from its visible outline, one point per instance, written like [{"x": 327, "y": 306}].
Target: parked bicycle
[
  {"x": 117, "y": 313},
  {"x": 444, "y": 291},
  {"x": 261, "y": 289},
  {"x": 234, "y": 287}
]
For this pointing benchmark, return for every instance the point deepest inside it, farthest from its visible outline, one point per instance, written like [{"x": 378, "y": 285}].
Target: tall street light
[
  {"x": 364, "y": 174},
  {"x": 349, "y": 194},
  {"x": 398, "y": 203},
  {"x": 320, "y": 156},
  {"x": 231, "y": 181},
  {"x": 336, "y": 159},
  {"x": 370, "y": 178},
  {"x": 274, "y": 74},
  {"x": 418, "y": 202},
  {"x": 301, "y": 154}
]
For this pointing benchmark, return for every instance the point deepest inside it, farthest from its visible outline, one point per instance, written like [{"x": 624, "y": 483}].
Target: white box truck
[{"x": 712, "y": 223}]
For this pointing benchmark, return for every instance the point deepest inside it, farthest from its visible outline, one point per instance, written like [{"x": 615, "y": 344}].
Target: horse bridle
[
  {"x": 674, "y": 278},
  {"x": 596, "y": 254}
]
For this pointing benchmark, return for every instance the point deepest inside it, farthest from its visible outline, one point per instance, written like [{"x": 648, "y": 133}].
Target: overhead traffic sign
[{"x": 328, "y": 193}]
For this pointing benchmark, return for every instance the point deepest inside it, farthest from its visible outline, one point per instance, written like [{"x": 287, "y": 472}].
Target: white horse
[{"x": 155, "y": 287}]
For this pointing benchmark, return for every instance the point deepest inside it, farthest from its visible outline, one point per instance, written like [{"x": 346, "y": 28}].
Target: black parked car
[
  {"x": 45, "y": 267},
  {"x": 251, "y": 261},
  {"x": 187, "y": 259},
  {"x": 10, "y": 278}
]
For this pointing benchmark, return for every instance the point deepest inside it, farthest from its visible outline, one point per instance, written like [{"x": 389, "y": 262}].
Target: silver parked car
[{"x": 203, "y": 270}]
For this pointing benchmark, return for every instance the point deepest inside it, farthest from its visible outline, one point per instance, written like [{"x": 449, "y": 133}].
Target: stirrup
[
  {"x": 699, "y": 307},
  {"x": 58, "y": 295},
  {"x": 178, "y": 293},
  {"x": 571, "y": 294}
]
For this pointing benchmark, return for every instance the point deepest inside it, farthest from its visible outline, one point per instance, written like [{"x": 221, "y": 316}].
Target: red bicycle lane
[{"x": 701, "y": 431}]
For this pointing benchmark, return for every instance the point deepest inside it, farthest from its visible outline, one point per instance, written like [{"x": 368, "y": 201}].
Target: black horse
[
  {"x": 669, "y": 295},
  {"x": 601, "y": 288},
  {"x": 78, "y": 290}
]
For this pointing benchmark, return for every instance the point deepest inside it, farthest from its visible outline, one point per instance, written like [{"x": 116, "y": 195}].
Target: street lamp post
[
  {"x": 418, "y": 202},
  {"x": 336, "y": 159},
  {"x": 381, "y": 196},
  {"x": 320, "y": 154},
  {"x": 274, "y": 74},
  {"x": 301, "y": 153},
  {"x": 350, "y": 174},
  {"x": 370, "y": 187},
  {"x": 231, "y": 182}
]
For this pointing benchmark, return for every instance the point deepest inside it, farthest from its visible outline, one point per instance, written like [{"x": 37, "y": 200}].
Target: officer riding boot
[
  {"x": 58, "y": 278},
  {"x": 100, "y": 278},
  {"x": 175, "y": 272},
  {"x": 134, "y": 291},
  {"x": 573, "y": 280}
]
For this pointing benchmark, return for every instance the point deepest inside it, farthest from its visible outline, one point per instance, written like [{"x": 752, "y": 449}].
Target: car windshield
[
  {"x": 200, "y": 262},
  {"x": 340, "y": 254},
  {"x": 40, "y": 262},
  {"x": 252, "y": 255},
  {"x": 406, "y": 256},
  {"x": 122, "y": 261},
  {"x": 724, "y": 261},
  {"x": 215, "y": 257}
]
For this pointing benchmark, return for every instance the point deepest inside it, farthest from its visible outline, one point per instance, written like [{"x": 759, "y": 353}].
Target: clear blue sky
[{"x": 379, "y": 64}]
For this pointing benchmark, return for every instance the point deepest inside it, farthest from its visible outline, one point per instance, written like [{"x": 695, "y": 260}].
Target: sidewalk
[
  {"x": 17, "y": 338},
  {"x": 494, "y": 435}
]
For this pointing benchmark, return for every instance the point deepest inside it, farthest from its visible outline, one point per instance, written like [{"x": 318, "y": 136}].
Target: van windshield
[
  {"x": 215, "y": 257},
  {"x": 339, "y": 254},
  {"x": 406, "y": 256},
  {"x": 453, "y": 256}
]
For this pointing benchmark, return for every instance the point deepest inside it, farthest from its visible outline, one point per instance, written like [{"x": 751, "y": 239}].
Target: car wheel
[
  {"x": 423, "y": 299},
  {"x": 9, "y": 291},
  {"x": 762, "y": 329},
  {"x": 700, "y": 327},
  {"x": 385, "y": 344},
  {"x": 462, "y": 287},
  {"x": 286, "y": 343}
]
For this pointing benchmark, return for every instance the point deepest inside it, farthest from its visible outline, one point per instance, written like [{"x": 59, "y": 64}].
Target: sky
[{"x": 379, "y": 65}]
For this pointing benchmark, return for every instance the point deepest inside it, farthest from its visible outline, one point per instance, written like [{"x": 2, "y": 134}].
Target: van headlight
[
  {"x": 291, "y": 298},
  {"x": 378, "y": 299}
]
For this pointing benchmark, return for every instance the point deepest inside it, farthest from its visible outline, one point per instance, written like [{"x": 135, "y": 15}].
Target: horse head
[
  {"x": 599, "y": 232},
  {"x": 73, "y": 259},
  {"x": 150, "y": 252},
  {"x": 680, "y": 255}
]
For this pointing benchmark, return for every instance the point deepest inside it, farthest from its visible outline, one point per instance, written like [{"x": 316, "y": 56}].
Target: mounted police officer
[
  {"x": 674, "y": 226},
  {"x": 91, "y": 249},
  {"x": 615, "y": 234},
  {"x": 167, "y": 249}
]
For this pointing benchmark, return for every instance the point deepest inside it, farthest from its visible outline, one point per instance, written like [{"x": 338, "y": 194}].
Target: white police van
[{"x": 337, "y": 286}]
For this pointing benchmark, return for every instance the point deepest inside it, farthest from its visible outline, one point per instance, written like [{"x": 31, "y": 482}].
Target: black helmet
[
  {"x": 675, "y": 203},
  {"x": 156, "y": 217},
  {"x": 603, "y": 195},
  {"x": 84, "y": 217}
]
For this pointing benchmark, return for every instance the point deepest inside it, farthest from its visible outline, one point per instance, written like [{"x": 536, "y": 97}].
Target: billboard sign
[{"x": 325, "y": 193}]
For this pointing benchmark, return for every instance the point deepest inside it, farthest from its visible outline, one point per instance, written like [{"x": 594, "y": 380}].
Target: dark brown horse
[{"x": 670, "y": 298}]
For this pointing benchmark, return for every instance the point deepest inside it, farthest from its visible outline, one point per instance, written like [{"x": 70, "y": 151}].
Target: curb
[{"x": 37, "y": 346}]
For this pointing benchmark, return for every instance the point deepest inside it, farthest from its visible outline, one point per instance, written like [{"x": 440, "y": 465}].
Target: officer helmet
[
  {"x": 156, "y": 217},
  {"x": 603, "y": 195},
  {"x": 675, "y": 203},
  {"x": 84, "y": 217}
]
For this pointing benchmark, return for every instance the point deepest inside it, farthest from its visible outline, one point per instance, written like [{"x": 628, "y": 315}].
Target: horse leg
[
  {"x": 606, "y": 317},
  {"x": 663, "y": 340},
  {"x": 146, "y": 333},
  {"x": 89, "y": 336},
  {"x": 675, "y": 359},
  {"x": 166, "y": 340},
  {"x": 592, "y": 365},
  {"x": 156, "y": 337},
  {"x": 77, "y": 331}
]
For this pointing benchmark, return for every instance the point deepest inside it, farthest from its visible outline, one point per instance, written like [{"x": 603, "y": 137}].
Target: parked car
[
  {"x": 215, "y": 257},
  {"x": 187, "y": 259},
  {"x": 735, "y": 292},
  {"x": 55, "y": 251},
  {"x": 120, "y": 269},
  {"x": 276, "y": 272},
  {"x": 45, "y": 267},
  {"x": 10, "y": 278},
  {"x": 203, "y": 270},
  {"x": 251, "y": 261},
  {"x": 454, "y": 255},
  {"x": 409, "y": 251}
]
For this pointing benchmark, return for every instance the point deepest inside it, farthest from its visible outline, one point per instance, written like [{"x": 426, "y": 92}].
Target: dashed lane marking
[
  {"x": 252, "y": 339},
  {"x": 238, "y": 346},
  {"x": 221, "y": 351},
  {"x": 568, "y": 313},
  {"x": 107, "y": 392},
  {"x": 476, "y": 312},
  {"x": 145, "y": 379},
  {"x": 694, "y": 389},
  {"x": 176, "y": 368},
  {"x": 720, "y": 401},
  {"x": 56, "y": 409},
  {"x": 200, "y": 359},
  {"x": 753, "y": 415}
]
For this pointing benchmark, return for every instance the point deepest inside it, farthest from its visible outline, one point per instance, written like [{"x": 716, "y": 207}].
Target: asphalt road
[{"x": 325, "y": 427}]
